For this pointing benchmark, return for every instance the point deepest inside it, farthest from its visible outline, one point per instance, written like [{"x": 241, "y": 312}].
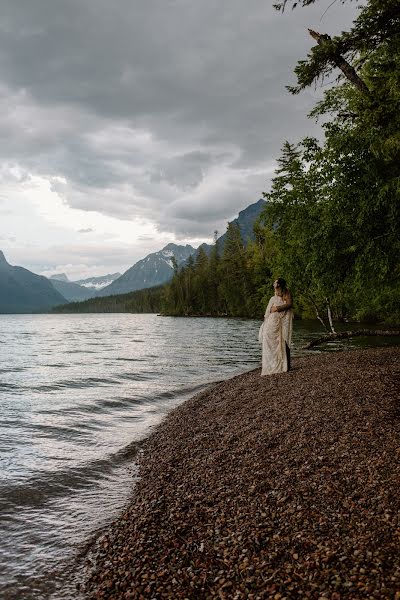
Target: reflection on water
[{"x": 77, "y": 395}]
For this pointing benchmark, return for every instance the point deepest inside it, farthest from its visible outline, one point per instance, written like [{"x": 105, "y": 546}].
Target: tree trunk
[
  {"x": 318, "y": 315},
  {"x": 341, "y": 63},
  {"x": 348, "y": 334},
  {"x": 328, "y": 308}
]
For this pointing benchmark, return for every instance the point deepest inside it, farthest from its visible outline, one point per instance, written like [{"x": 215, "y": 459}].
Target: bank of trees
[
  {"x": 334, "y": 207},
  {"x": 149, "y": 300},
  {"x": 227, "y": 282},
  {"x": 331, "y": 224}
]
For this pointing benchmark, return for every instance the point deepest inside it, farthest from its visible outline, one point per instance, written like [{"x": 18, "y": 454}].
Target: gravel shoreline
[{"x": 284, "y": 486}]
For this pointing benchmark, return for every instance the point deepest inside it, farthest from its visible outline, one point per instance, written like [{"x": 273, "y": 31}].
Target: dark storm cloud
[
  {"x": 185, "y": 170},
  {"x": 166, "y": 109}
]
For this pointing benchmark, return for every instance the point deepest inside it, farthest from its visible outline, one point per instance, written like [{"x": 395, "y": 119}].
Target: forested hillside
[
  {"x": 233, "y": 282},
  {"x": 142, "y": 301}
]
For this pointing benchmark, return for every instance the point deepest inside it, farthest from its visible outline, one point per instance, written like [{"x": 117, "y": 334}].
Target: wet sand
[{"x": 285, "y": 486}]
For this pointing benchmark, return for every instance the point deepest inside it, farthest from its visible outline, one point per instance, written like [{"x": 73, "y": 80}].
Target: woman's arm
[
  {"x": 286, "y": 306},
  {"x": 269, "y": 309}
]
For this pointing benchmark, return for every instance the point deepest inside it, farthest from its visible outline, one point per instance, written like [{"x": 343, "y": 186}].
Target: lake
[{"x": 77, "y": 394}]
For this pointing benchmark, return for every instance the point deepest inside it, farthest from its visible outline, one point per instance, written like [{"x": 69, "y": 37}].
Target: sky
[{"x": 130, "y": 124}]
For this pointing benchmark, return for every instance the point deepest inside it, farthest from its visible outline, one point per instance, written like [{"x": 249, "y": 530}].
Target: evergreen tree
[
  {"x": 334, "y": 208},
  {"x": 214, "y": 297},
  {"x": 201, "y": 296},
  {"x": 233, "y": 272}
]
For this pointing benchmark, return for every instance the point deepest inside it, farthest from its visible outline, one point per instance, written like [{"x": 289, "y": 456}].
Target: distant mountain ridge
[
  {"x": 59, "y": 277},
  {"x": 245, "y": 221},
  {"x": 22, "y": 291},
  {"x": 156, "y": 268},
  {"x": 99, "y": 282},
  {"x": 72, "y": 291},
  {"x": 84, "y": 289}
]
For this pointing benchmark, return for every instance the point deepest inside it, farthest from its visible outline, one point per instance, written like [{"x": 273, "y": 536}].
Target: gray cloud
[
  {"x": 185, "y": 171},
  {"x": 171, "y": 110},
  {"x": 75, "y": 259}
]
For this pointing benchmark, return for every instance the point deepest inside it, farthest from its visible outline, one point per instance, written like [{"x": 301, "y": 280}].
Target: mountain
[
  {"x": 245, "y": 220},
  {"x": 22, "y": 291},
  {"x": 154, "y": 269},
  {"x": 59, "y": 277},
  {"x": 98, "y": 283},
  {"x": 71, "y": 291}
]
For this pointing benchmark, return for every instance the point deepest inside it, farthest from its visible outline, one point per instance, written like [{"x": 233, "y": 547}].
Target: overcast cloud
[{"x": 129, "y": 124}]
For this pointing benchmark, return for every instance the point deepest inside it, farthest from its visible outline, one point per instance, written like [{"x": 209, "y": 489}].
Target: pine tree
[
  {"x": 233, "y": 272},
  {"x": 201, "y": 304}
]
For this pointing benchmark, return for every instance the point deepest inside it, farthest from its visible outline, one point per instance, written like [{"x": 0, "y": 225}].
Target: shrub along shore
[{"x": 283, "y": 486}]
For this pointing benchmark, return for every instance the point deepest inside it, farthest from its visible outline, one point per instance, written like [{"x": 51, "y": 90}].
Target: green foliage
[
  {"x": 334, "y": 208},
  {"x": 233, "y": 273},
  {"x": 377, "y": 23},
  {"x": 228, "y": 283}
]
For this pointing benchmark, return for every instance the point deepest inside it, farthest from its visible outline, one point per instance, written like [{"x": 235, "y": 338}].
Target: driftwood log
[{"x": 348, "y": 334}]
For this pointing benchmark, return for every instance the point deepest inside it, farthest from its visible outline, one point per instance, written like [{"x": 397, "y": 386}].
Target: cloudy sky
[{"x": 129, "y": 124}]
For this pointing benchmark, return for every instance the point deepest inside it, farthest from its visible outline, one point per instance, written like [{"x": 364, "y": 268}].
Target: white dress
[{"x": 275, "y": 332}]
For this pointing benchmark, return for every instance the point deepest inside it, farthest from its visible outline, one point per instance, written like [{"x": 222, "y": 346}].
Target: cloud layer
[{"x": 169, "y": 112}]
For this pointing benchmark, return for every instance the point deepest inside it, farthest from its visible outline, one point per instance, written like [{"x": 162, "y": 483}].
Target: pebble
[{"x": 283, "y": 487}]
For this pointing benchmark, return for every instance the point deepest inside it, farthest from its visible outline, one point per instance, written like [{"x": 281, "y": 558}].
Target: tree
[
  {"x": 201, "y": 299},
  {"x": 214, "y": 297},
  {"x": 378, "y": 21},
  {"x": 233, "y": 271},
  {"x": 341, "y": 200}
]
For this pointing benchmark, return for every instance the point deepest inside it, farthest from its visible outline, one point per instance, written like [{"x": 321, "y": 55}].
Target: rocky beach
[{"x": 285, "y": 486}]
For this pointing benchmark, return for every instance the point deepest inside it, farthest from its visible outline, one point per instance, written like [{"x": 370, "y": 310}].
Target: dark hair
[{"x": 282, "y": 284}]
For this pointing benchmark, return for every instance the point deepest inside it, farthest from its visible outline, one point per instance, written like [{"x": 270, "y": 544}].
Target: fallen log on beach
[
  {"x": 284, "y": 486},
  {"x": 329, "y": 337}
]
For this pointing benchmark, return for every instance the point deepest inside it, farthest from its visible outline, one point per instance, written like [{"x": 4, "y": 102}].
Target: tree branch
[
  {"x": 348, "y": 334},
  {"x": 317, "y": 313},
  {"x": 339, "y": 61}
]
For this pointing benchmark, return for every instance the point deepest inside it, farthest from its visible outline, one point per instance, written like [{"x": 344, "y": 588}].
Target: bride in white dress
[{"x": 276, "y": 331}]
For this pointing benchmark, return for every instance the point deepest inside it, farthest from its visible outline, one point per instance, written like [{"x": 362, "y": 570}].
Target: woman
[{"x": 276, "y": 331}]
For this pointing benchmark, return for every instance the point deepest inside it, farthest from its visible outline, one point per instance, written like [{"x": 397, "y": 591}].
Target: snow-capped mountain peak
[
  {"x": 98, "y": 283},
  {"x": 152, "y": 270}
]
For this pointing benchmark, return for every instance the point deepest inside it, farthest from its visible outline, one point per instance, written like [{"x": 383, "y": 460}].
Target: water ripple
[
  {"x": 78, "y": 394},
  {"x": 36, "y": 491}
]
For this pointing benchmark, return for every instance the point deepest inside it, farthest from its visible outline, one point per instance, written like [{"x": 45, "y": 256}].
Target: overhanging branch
[{"x": 341, "y": 63}]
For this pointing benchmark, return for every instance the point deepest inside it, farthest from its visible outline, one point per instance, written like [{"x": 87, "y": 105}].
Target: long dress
[{"x": 274, "y": 334}]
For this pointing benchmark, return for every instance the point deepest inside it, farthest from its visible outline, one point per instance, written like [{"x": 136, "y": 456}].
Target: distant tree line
[{"x": 142, "y": 301}]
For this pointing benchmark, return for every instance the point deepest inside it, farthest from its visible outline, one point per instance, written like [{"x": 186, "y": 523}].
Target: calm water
[{"x": 77, "y": 394}]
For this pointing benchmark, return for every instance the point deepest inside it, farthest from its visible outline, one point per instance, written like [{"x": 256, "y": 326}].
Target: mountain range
[
  {"x": 71, "y": 291},
  {"x": 157, "y": 268},
  {"x": 98, "y": 283},
  {"x": 75, "y": 291},
  {"x": 23, "y": 291},
  {"x": 154, "y": 269}
]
